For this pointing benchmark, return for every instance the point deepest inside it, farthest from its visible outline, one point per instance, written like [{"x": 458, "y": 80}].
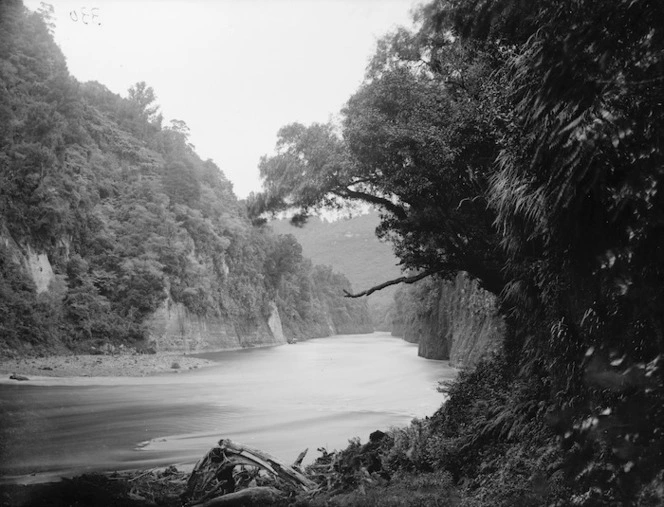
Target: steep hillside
[
  {"x": 113, "y": 229},
  {"x": 351, "y": 247}
]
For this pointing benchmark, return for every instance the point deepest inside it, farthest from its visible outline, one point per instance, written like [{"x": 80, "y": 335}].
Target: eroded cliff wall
[
  {"x": 35, "y": 264},
  {"x": 174, "y": 328},
  {"x": 452, "y": 320}
]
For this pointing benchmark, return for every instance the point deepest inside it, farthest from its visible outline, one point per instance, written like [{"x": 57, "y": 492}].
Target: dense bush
[
  {"x": 128, "y": 214},
  {"x": 521, "y": 143}
]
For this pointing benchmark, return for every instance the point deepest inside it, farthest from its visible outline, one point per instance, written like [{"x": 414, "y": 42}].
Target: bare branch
[
  {"x": 468, "y": 199},
  {"x": 396, "y": 281}
]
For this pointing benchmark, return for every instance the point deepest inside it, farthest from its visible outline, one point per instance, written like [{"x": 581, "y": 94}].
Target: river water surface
[{"x": 317, "y": 393}]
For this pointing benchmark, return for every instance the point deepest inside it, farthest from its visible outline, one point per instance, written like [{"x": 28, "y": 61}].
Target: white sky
[{"x": 234, "y": 70}]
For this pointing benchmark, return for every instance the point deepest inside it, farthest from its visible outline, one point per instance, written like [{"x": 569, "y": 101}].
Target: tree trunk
[{"x": 258, "y": 497}]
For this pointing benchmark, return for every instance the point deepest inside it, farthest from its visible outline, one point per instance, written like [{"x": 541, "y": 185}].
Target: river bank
[
  {"x": 318, "y": 393},
  {"x": 89, "y": 365},
  {"x": 82, "y": 428}
]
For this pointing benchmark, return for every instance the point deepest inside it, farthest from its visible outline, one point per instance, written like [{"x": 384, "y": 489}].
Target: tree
[
  {"x": 181, "y": 127},
  {"x": 181, "y": 183},
  {"x": 142, "y": 98},
  {"x": 523, "y": 144},
  {"x": 580, "y": 214},
  {"x": 416, "y": 142},
  {"x": 47, "y": 13},
  {"x": 284, "y": 257},
  {"x": 176, "y": 140}
]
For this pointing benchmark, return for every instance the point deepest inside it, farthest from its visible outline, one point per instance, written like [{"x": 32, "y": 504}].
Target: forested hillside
[
  {"x": 350, "y": 246},
  {"x": 455, "y": 320},
  {"x": 111, "y": 224},
  {"x": 521, "y": 143}
]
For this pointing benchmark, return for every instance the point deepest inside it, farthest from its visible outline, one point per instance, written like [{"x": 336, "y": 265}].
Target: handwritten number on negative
[{"x": 86, "y": 16}]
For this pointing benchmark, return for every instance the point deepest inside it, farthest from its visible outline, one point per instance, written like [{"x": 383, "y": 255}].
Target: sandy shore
[{"x": 84, "y": 365}]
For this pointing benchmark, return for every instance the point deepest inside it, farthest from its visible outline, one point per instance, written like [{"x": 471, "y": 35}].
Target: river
[{"x": 317, "y": 393}]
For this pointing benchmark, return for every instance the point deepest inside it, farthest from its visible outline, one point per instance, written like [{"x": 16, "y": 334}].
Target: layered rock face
[
  {"x": 452, "y": 320},
  {"x": 35, "y": 264},
  {"x": 174, "y": 328}
]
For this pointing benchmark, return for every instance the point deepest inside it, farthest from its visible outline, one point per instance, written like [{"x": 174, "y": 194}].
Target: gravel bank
[{"x": 122, "y": 365}]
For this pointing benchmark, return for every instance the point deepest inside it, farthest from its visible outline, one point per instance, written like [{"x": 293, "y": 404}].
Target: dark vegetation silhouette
[
  {"x": 520, "y": 143},
  {"x": 517, "y": 142}
]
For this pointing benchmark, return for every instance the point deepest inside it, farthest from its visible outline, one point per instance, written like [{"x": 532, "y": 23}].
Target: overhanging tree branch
[
  {"x": 373, "y": 199},
  {"x": 396, "y": 281}
]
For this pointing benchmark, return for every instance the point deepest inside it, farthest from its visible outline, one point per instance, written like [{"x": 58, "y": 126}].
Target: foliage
[
  {"x": 365, "y": 475},
  {"x": 310, "y": 304},
  {"x": 404, "y": 489},
  {"x": 412, "y": 146},
  {"x": 576, "y": 198},
  {"x": 130, "y": 217},
  {"x": 522, "y": 144},
  {"x": 349, "y": 246}
]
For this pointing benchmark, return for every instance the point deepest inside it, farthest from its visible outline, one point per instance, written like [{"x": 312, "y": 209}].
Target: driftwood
[
  {"x": 212, "y": 476},
  {"x": 258, "y": 496},
  {"x": 298, "y": 462}
]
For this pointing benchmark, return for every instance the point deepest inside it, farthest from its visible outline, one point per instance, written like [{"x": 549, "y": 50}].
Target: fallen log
[
  {"x": 250, "y": 497},
  {"x": 213, "y": 474}
]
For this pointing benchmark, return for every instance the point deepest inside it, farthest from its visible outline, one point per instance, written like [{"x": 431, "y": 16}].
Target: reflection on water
[{"x": 313, "y": 394}]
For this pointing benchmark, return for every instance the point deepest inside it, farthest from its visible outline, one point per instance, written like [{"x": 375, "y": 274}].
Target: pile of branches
[
  {"x": 235, "y": 474},
  {"x": 232, "y": 474}
]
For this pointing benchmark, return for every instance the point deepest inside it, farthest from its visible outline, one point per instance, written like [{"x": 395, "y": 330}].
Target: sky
[{"x": 234, "y": 70}]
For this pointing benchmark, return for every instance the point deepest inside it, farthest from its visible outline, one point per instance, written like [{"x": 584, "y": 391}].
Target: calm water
[{"x": 282, "y": 400}]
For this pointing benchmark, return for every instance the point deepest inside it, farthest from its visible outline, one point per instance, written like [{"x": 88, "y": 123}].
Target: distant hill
[{"x": 351, "y": 247}]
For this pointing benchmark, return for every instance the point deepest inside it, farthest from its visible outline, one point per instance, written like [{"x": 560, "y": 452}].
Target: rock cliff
[
  {"x": 173, "y": 327},
  {"x": 452, "y": 320},
  {"x": 35, "y": 264}
]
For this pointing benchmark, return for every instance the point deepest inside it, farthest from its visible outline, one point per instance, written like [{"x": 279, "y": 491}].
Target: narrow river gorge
[{"x": 313, "y": 394}]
